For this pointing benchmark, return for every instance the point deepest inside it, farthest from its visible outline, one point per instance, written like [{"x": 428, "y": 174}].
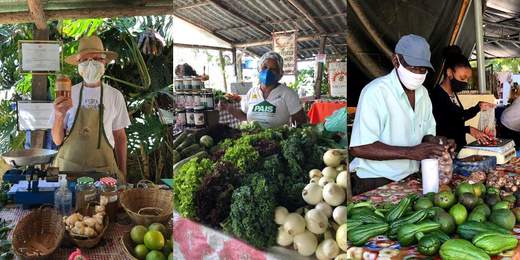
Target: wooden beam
[
  {"x": 39, "y": 92},
  {"x": 224, "y": 6},
  {"x": 24, "y": 17},
  {"x": 305, "y": 38},
  {"x": 196, "y": 46},
  {"x": 319, "y": 73},
  {"x": 37, "y": 14}
]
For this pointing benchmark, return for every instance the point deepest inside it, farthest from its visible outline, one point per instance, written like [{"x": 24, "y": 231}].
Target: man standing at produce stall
[
  {"x": 89, "y": 126},
  {"x": 394, "y": 127}
]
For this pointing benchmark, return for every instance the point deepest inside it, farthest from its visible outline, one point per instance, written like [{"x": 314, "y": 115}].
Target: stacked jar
[
  {"x": 86, "y": 192},
  {"x": 109, "y": 195}
]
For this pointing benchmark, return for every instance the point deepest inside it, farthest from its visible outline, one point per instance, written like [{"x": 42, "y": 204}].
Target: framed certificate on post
[
  {"x": 34, "y": 115},
  {"x": 40, "y": 57}
]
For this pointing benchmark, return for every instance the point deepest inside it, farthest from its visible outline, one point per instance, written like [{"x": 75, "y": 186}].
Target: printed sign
[
  {"x": 285, "y": 44},
  {"x": 40, "y": 56},
  {"x": 338, "y": 79}
]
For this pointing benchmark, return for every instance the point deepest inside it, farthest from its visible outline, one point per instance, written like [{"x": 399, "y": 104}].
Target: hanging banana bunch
[{"x": 151, "y": 42}]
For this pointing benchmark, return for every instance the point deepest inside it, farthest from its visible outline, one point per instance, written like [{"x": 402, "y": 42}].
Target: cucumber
[
  {"x": 191, "y": 150},
  {"x": 179, "y": 139},
  {"x": 190, "y": 139}
]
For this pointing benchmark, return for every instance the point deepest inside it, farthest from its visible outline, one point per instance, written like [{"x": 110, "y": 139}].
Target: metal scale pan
[{"x": 29, "y": 157}]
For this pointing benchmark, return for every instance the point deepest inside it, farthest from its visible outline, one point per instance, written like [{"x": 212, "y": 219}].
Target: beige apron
[{"x": 83, "y": 148}]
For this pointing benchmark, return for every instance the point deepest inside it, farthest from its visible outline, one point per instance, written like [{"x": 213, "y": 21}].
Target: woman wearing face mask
[
  {"x": 448, "y": 111},
  {"x": 271, "y": 104},
  {"x": 89, "y": 127}
]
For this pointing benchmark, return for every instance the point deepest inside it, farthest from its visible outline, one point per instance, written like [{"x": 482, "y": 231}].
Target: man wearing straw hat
[{"x": 89, "y": 127}]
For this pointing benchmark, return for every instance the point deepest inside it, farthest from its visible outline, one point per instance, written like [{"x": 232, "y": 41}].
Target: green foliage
[
  {"x": 306, "y": 77},
  {"x": 80, "y": 28},
  {"x": 10, "y": 138},
  {"x": 186, "y": 184},
  {"x": 252, "y": 213},
  {"x": 242, "y": 155}
]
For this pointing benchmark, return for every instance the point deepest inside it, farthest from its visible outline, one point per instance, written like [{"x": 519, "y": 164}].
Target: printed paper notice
[
  {"x": 34, "y": 116},
  {"x": 40, "y": 57},
  {"x": 285, "y": 45},
  {"x": 338, "y": 79}
]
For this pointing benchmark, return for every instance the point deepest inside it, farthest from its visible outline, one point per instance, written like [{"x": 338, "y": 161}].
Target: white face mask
[
  {"x": 91, "y": 71},
  {"x": 410, "y": 80}
]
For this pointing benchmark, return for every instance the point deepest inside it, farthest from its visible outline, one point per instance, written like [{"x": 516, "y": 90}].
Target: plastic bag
[
  {"x": 337, "y": 122},
  {"x": 487, "y": 123},
  {"x": 445, "y": 168}
]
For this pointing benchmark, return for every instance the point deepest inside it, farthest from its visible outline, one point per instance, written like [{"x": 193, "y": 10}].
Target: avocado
[
  {"x": 483, "y": 209},
  {"x": 478, "y": 216},
  {"x": 492, "y": 199},
  {"x": 502, "y": 205},
  {"x": 504, "y": 218},
  {"x": 446, "y": 221},
  {"x": 469, "y": 200},
  {"x": 423, "y": 203},
  {"x": 511, "y": 198},
  {"x": 463, "y": 188}
]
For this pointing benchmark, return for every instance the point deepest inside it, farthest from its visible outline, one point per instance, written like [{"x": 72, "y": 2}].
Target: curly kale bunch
[
  {"x": 213, "y": 198},
  {"x": 186, "y": 183},
  {"x": 252, "y": 213}
]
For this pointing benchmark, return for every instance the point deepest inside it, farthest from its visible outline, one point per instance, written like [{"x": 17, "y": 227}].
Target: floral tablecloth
[{"x": 381, "y": 247}]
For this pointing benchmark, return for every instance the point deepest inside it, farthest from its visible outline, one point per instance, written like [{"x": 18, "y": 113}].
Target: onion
[
  {"x": 330, "y": 172},
  {"x": 341, "y": 237},
  {"x": 305, "y": 243},
  {"x": 333, "y": 194},
  {"x": 334, "y": 157},
  {"x": 324, "y": 181},
  {"x": 341, "y": 168},
  {"x": 341, "y": 179},
  {"x": 312, "y": 193},
  {"x": 327, "y": 249},
  {"x": 315, "y": 173},
  {"x": 294, "y": 224},
  {"x": 280, "y": 213},
  {"x": 325, "y": 208},
  {"x": 283, "y": 239},
  {"x": 317, "y": 222},
  {"x": 315, "y": 180},
  {"x": 342, "y": 257},
  {"x": 340, "y": 215}
]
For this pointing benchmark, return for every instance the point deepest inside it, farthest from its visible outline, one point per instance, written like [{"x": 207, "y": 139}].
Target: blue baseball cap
[{"x": 415, "y": 50}]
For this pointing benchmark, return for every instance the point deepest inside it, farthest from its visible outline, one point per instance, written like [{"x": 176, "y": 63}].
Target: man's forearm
[
  {"x": 121, "y": 155},
  {"x": 58, "y": 131},
  {"x": 380, "y": 152}
]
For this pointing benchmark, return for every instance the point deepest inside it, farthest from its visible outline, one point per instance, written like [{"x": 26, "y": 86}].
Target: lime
[
  {"x": 159, "y": 227},
  {"x": 137, "y": 234},
  {"x": 459, "y": 213},
  {"x": 154, "y": 240},
  {"x": 155, "y": 255},
  {"x": 140, "y": 251}
]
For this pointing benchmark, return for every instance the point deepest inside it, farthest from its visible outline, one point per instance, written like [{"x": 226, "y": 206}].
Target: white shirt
[
  {"x": 384, "y": 114},
  {"x": 274, "y": 111},
  {"x": 115, "y": 116},
  {"x": 511, "y": 116}
]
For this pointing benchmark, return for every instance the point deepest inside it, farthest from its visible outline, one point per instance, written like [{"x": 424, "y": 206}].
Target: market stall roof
[
  {"x": 40, "y": 11},
  {"x": 502, "y": 29},
  {"x": 249, "y": 24}
]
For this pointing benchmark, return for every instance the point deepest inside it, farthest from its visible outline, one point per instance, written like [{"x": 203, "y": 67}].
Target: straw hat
[{"x": 90, "y": 44}]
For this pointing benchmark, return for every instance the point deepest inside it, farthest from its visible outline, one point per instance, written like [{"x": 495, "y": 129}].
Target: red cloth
[{"x": 320, "y": 110}]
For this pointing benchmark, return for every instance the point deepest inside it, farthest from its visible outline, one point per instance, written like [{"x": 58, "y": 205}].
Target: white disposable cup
[{"x": 430, "y": 175}]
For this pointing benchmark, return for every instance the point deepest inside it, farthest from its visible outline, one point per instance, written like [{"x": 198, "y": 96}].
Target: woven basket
[
  {"x": 147, "y": 204},
  {"x": 38, "y": 234},
  {"x": 128, "y": 244},
  {"x": 84, "y": 242}
]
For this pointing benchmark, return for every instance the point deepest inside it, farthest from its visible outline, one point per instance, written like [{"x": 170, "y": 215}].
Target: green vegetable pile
[
  {"x": 186, "y": 184},
  {"x": 477, "y": 215}
]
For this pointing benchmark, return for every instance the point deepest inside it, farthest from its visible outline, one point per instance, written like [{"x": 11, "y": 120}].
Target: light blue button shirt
[{"x": 384, "y": 114}]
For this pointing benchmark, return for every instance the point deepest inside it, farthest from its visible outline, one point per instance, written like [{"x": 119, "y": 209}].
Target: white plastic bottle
[{"x": 63, "y": 197}]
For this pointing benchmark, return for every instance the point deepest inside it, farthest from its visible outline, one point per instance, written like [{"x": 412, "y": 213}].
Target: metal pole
[{"x": 479, "y": 34}]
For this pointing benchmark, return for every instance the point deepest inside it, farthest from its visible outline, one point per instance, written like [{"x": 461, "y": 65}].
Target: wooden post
[
  {"x": 319, "y": 73},
  {"x": 234, "y": 51},
  {"x": 223, "y": 68},
  {"x": 39, "y": 91}
]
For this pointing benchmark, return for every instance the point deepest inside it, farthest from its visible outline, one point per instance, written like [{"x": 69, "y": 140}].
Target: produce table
[
  {"x": 110, "y": 248},
  {"x": 394, "y": 192},
  {"x": 194, "y": 241}
]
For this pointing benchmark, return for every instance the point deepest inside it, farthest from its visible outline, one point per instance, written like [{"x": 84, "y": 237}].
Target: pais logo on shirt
[{"x": 264, "y": 107}]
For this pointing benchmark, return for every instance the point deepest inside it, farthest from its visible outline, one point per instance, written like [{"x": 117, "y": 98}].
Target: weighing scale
[{"x": 503, "y": 150}]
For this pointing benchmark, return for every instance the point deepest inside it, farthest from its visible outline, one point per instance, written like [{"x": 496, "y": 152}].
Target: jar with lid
[
  {"x": 178, "y": 84},
  {"x": 209, "y": 98},
  {"x": 186, "y": 82},
  {"x": 85, "y": 192},
  {"x": 197, "y": 97},
  {"x": 188, "y": 99},
  {"x": 181, "y": 99},
  {"x": 190, "y": 117},
  {"x": 181, "y": 117},
  {"x": 109, "y": 196},
  {"x": 200, "y": 119},
  {"x": 196, "y": 83}
]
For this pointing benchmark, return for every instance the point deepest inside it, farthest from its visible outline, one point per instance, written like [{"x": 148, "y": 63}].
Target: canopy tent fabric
[{"x": 249, "y": 24}]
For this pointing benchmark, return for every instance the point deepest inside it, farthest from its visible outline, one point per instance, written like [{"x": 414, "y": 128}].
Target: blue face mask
[{"x": 268, "y": 78}]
